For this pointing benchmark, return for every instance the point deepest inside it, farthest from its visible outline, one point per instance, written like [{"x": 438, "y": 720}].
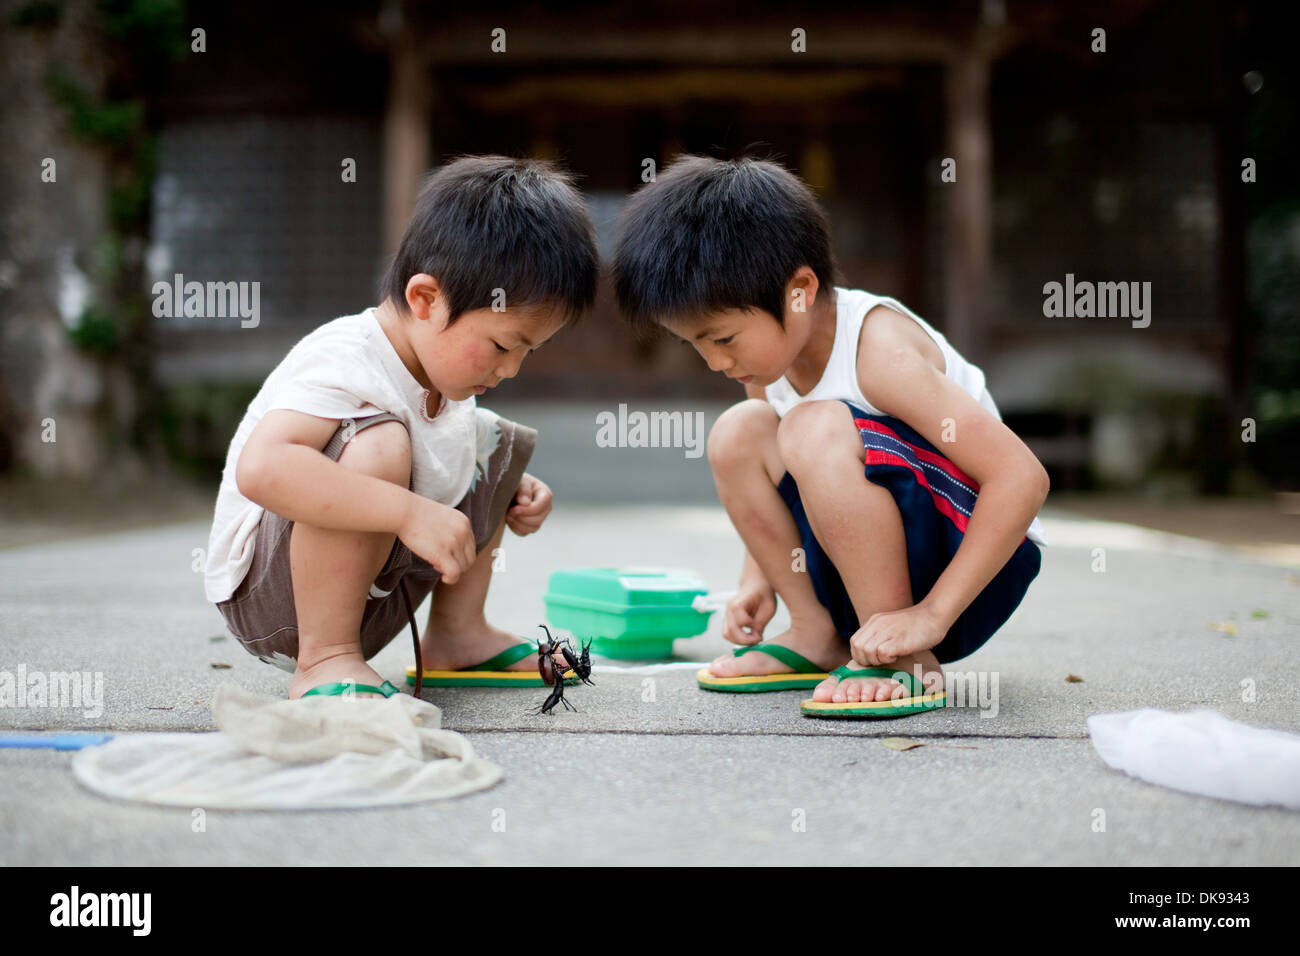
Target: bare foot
[
  {"x": 457, "y": 648},
  {"x": 335, "y": 669},
  {"x": 821, "y": 644},
  {"x": 861, "y": 689}
]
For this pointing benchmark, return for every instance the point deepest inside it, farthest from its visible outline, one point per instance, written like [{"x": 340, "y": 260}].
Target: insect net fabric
[
  {"x": 310, "y": 753},
  {"x": 1203, "y": 752}
]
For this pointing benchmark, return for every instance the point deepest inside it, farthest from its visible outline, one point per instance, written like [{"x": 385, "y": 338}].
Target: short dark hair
[
  {"x": 710, "y": 234},
  {"x": 483, "y": 223}
]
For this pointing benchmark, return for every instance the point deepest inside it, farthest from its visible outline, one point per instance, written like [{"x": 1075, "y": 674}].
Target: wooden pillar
[
  {"x": 969, "y": 213},
  {"x": 406, "y": 134}
]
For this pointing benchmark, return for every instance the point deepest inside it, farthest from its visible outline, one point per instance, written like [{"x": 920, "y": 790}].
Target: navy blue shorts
[{"x": 935, "y": 499}]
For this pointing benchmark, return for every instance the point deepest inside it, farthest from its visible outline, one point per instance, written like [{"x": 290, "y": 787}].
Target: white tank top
[{"x": 840, "y": 378}]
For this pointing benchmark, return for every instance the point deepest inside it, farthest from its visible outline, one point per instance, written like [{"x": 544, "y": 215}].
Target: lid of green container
[{"x": 629, "y": 586}]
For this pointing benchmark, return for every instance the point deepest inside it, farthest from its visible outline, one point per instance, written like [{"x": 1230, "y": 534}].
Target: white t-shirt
[
  {"x": 347, "y": 368},
  {"x": 840, "y": 378}
]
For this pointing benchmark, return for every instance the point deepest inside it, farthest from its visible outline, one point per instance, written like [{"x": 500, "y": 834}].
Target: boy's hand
[
  {"x": 531, "y": 506},
  {"x": 752, "y": 607},
  {"x": 441, "y": 535},
  {"x": 889, "y": 635}
]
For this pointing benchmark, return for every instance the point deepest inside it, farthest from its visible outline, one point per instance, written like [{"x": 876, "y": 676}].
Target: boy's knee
[
  {"x": 739, "y": 434},
  {"x": 807, "y": 430},
  {"x": 383, "y": 451}
]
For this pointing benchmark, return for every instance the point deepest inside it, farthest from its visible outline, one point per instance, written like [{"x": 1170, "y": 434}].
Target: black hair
[
  {"x": 710, "y": 234},
  {"x": 483, "y": 223}
]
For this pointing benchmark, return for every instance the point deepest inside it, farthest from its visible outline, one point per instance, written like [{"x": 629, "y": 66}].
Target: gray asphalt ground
[{"x": 653, "y": 770}]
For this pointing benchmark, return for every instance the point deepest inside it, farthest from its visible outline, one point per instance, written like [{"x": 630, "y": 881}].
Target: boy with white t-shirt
[{"x": 363, "y": 476}]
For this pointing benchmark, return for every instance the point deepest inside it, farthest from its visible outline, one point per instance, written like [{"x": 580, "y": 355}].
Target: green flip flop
[
  {"x": 916, "y": 701},
  {"x": 491, "y": 673},
  {"x": 806, "y": 673},
  {"x": 349, "y": 687}
]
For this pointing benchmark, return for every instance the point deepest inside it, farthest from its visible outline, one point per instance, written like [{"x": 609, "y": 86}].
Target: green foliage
[
  {"x": 144, "y": 35},
  {"x": 1276, "y": 405},
  {"x": 128, "y": 201},
  {"x": 110, "y": 123},
  {"x": 96, "y": 331},
  {"x": 1273, "y": 287},
  {"x": 1273, "y": 252},
  {"x": 108, "y": 257},
  {"x": 147, "y": 27},
  {"x": 196, "y": 422},
  {"x": 1274, "y": 451}
]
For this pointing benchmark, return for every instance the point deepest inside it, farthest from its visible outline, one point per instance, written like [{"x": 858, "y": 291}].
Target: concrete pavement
[{"x": 654, "y": 770}]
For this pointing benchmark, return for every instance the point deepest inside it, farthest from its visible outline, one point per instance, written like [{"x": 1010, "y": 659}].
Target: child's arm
[
  {"x": 898, "y": 378},
  {"x": 281, "y": 468}
]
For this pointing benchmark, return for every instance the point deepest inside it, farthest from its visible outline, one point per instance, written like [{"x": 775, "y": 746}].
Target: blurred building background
[{"x": 1122, "y": 165}]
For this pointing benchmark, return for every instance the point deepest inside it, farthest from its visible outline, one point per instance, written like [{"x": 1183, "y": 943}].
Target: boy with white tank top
[{"x": 868, "y": 472}]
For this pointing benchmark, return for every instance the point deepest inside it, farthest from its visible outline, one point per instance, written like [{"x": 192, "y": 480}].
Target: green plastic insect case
[{"x": 627, "y": 613}]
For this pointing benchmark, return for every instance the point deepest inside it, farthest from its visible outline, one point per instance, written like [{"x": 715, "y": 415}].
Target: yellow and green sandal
[
  {"x": 806, "y": 673},
  {"x": 491, "y": 673},
  {"x": 348, "y": 688},
  {"x": 902, "y": 707}
]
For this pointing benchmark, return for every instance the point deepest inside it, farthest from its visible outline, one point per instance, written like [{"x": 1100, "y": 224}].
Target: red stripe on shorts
[
  {"x": 921, "y": 453},
  {"x": 875, "y": 456}
]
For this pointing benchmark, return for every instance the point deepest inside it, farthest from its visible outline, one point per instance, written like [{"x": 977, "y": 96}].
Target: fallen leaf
[
  {"x": 1224, "y": 627},
  {"x": 222, "y": 667},
  {"x": 901, "y": 743},
  {"x": 219, "y": 637},
  {"x": 1073, "y": 679},
  {"x": 1259, "y": 612}
]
